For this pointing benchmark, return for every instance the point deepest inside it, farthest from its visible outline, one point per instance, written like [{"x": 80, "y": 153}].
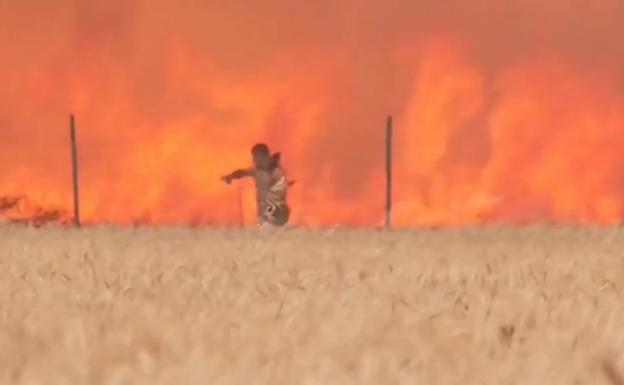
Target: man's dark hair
[{"x": 260, "y": 149}]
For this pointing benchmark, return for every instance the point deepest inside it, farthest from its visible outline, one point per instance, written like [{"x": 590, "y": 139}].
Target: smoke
[{"x": 494, "y": 101}]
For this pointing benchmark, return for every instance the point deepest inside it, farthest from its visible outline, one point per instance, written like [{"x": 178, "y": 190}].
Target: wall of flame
[{"x": 505, "y": 111}]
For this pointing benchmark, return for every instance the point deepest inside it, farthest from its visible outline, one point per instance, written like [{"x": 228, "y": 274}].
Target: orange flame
[{"x": 495, "y": 120}]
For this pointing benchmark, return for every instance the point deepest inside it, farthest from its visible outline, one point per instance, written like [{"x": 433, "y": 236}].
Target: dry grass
[{"x": 539, "y": 305}]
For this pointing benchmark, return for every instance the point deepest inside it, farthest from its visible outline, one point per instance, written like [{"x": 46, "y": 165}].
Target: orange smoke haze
[{"x": 507, "y": 111}]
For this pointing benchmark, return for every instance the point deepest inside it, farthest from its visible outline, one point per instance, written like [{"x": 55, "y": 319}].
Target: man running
[{"x": 271, "y": 185}]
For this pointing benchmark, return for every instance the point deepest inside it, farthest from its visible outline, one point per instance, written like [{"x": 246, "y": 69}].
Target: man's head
[{"x": 261, "y": 156}]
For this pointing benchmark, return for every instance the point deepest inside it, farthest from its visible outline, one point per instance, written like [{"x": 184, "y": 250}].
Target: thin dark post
[
  {"x": 74, "y": 154},
  {"x": 388, "y": 221},
  {"x": 241, "y": 206}
]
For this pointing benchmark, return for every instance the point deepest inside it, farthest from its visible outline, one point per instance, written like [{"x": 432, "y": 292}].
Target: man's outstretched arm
[{"x": 238, "y": 174}]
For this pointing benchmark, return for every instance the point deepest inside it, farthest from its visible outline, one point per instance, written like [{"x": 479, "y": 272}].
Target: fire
[
  {"x": 18, "y": 209},
  {"x": 512, "y": 124}
]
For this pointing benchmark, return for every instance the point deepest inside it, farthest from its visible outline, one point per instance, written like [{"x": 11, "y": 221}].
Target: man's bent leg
[
  {"x": 276, "y": 215},
  {"x": 281, "y": 216}
]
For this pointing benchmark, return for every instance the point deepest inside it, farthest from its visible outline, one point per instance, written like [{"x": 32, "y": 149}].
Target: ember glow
[{"x": 507, "y": 112}]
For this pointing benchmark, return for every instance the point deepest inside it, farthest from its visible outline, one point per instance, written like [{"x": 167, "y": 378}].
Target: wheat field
[{"x": 106, "y": 305}]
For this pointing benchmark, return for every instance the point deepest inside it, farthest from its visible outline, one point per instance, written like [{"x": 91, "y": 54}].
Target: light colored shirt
[{"x": 271, "y": 191}]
